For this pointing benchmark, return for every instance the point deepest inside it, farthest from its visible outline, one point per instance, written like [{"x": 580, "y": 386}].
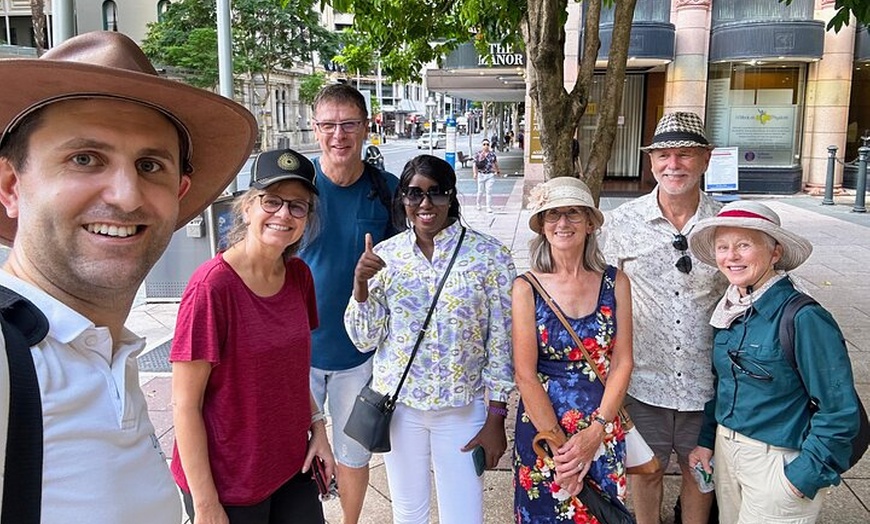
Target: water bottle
[{"x": 704, "y": 479}]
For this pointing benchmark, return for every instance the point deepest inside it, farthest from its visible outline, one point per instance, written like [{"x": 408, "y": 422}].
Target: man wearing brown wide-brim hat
[
  {"x": 672, "y": 297},
  {"x": 100, "y": 161}
]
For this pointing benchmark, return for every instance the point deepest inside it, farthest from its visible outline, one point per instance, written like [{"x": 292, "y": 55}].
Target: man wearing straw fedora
[
  {"x": 672, "y": 298},
  {"x": 100, "y": 161}
]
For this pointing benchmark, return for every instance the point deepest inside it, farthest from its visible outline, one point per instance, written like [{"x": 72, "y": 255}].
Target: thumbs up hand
[{"x": 368, "y": 265}]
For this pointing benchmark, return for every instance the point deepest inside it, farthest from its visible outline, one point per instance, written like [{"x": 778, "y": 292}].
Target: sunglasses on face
[
  {"x": 575, "y": 216},
  {"x": 684, "y": 263},
  {"x": 272, "y": 204},
  {"x": 413, "y": 196}
]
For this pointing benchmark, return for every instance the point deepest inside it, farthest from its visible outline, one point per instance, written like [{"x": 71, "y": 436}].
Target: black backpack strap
[
  {"x": 24, "y": 326},
  {"x": 382, "y": 191},
  {"x": 786, "y": 325}
]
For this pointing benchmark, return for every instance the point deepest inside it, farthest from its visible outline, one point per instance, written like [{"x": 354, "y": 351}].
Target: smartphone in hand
[
  {"x": 478, "y": 455},
  {"x": 326, "y": 486}
]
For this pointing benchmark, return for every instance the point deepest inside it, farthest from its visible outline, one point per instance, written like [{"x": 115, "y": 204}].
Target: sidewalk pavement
[{"x": 837, "y": 274}]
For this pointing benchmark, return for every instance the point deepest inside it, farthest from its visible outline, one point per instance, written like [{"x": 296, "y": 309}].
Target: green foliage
[
  {"x": 407, "y": 34},
  {"x": 267, "y": 35},
  {"x": 309, "y": 86}
]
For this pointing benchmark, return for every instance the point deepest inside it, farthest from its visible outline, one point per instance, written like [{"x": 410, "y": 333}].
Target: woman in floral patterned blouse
[
  {"x": 454, "y": 397},
  {"x": 559, "y": 391}
]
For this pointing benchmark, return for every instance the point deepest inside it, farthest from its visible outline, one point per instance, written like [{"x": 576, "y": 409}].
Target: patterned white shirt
[
  {"x": 673, "y": 339},
  {"x": 467, "y": 346}
]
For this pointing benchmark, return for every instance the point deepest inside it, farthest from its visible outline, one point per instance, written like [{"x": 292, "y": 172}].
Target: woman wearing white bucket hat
[
  {"x": 561, "y": 393},
  {"x": 781, "y": 434}
]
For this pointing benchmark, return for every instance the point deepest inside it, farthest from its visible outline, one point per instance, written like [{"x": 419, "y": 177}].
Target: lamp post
[{"x": 430, "y": 106}]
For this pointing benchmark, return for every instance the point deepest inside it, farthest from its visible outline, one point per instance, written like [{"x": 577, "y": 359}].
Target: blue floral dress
[{"x": 575, "y": 393}]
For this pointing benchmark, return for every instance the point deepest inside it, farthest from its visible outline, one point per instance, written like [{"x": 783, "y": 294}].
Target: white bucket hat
[
  {"x": 749, "y": 215},
  {"x": 562, "y": 191}
]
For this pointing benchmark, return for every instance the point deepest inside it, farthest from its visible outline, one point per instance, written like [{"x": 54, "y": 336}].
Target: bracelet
[
  {"x": 317, "y": 416},
  {"x": 495, "y": 410}
]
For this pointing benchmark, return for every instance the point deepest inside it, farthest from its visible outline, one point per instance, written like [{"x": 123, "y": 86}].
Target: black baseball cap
[{"x": 278, "y": 165}]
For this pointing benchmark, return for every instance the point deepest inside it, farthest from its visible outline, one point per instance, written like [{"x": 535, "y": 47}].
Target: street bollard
[
  {"x": 829, "y": 181},
  {"x": 861, "y": 186}
]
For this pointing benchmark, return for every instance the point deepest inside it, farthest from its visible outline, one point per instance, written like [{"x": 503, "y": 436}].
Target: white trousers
[
  {"x": 751, "y": 486},
  {"x": 484, "y": 185},
  {"x": 424, "y": 439}
]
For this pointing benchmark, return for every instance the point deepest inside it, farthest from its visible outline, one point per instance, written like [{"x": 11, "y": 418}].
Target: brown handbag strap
[{"x": 533, "y": 280}]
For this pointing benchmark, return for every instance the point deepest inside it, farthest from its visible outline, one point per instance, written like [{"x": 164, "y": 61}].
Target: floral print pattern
[{"x": 575, "y": 392}]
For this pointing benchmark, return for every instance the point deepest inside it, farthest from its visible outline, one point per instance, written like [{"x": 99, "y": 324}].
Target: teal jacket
[{"x": 775, "y": 409}]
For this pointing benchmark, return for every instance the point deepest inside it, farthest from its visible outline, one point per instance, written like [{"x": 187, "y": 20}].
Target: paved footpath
[{"x": 837, "y": 274}]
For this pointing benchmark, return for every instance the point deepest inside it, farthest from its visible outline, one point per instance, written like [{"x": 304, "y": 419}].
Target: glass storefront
[{"x": 757, "y": 108}]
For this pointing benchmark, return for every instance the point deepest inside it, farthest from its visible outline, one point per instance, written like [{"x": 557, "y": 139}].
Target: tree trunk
[
  {"x": 37, "y": 15},
  {"x": 558, "y": 111},
  {"x": 614, "y": 86}
]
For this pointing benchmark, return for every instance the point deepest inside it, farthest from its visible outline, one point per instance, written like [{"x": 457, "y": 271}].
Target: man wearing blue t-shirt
[{"x": 351, "y": 203}]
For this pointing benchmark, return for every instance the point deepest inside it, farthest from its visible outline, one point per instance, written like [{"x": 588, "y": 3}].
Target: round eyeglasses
[
  {"x": 413, "y": 196},
  {"x": 575, "y": 216},
  {"x": 272, "y": 204}
]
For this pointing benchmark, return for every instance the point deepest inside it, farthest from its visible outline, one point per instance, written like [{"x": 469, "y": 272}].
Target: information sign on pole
[
  {"x": 722, "y": 172},
  {"x": 450, "y": 154}
]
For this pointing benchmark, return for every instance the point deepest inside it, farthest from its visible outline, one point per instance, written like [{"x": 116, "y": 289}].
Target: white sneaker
[
  {"x": 489, "y": 210},
  {"x": 478, "y": 207}
]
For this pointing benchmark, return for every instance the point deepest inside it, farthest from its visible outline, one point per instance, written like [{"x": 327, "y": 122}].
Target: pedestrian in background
[
  {"x": 782, "y": 431},
  {"x": 457, "y": 386},
  {"x": 354, "y": 200},
  {"x": 100, "y": 161},
  {"x": 241, "y": 355},
  {"x": 672, "y": 299},
  {"x": 559, "y": 391},
  {"x": 484, "y": 169}
]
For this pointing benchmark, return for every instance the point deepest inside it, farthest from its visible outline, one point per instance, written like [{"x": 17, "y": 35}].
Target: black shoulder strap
[
  {"x": 23, "y": 325},
  {"x": 786, "y": 325},
  {"x": 383, "y": 193}
]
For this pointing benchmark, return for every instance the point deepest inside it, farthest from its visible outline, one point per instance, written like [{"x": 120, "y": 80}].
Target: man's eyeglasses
[
  {"x": 747, "y": 367},
  {"x": 575, "y": 216},
  {"x": 348, "y": 126},
  {"x": 684, "y": 263},
  {"x": 413, "y": 196},
  {"x": 272, "y": 204}
]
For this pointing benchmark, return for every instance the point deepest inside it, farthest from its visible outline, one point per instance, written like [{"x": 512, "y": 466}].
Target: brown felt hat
[{"x": 217, "y": 133}]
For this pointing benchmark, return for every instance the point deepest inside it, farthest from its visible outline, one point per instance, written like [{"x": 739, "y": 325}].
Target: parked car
[{"x": 439, "y": 140}]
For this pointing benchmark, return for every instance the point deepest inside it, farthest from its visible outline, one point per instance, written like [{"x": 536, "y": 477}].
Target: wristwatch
[{"x": 608, "y": 426}]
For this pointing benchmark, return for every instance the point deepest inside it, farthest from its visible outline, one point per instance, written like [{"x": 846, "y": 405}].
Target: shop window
[
  {"x": 110, "y": 16},
  {"x": 644, "y": 11},
  {"x": 757, "y": 108},
  {"x": 859, "y": 111},
  {"x": 162, "y": 7}
]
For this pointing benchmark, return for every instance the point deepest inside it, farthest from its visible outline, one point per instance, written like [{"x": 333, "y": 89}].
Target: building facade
[{"x": 766, "y": 77}]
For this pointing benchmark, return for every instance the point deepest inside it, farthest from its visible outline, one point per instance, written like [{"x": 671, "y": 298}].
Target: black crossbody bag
[{"x": 369, "y": 421}]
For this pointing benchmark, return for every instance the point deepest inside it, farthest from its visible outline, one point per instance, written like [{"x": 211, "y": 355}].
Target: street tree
[{"x": 267, "y": 35}]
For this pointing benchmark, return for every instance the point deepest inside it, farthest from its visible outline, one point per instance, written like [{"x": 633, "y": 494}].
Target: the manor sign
[{"x": 502, "y": 55}]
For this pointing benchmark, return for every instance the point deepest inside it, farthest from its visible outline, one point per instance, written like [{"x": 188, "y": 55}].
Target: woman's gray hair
[
  {"x": 239, "y": 229},
  {"x": 541, "y": 257}
]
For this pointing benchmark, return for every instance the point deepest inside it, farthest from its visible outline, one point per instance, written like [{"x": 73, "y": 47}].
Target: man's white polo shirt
[{"x": 101, "y": 462}]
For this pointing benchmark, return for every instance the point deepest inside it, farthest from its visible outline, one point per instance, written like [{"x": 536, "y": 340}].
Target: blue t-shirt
[{"x": 346, "y": 214}]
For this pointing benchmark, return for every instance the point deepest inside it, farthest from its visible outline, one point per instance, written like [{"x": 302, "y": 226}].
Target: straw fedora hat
[
  {"x": 218, "y": 132},
  {"x": 562, "y": 191},
  {"x": 749, "y": 215},
  {"x": 680, "y": 129}
]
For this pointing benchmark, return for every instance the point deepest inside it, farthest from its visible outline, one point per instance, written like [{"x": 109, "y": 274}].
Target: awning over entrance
[{"x": 465, "y": 74}]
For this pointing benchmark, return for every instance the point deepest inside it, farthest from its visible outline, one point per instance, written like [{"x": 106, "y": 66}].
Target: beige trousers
[{"x": 751, "y": 486}]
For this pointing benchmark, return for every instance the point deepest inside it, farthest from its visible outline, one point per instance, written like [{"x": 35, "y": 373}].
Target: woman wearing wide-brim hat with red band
[{"x": 781, "y": 434}]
